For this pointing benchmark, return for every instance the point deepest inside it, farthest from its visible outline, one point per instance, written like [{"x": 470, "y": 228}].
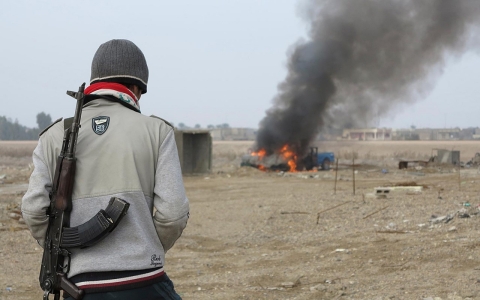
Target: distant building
[
  {"x": 367, "y": 134},
  {"x": 446, "y": 134},
  {"x": 404, "y": 134},
  {"x": 428, "y": 134},
  {"x": 424, "y": 134},
  {"x": 467, "y": 133},
  {"x": 409, "y": 134}
]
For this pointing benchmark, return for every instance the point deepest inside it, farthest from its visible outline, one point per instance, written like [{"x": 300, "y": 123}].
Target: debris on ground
[
  {"x": 401, "y": 188},
  {"x": 291, "y": 284},
  {"x": 443, "y": 219}
]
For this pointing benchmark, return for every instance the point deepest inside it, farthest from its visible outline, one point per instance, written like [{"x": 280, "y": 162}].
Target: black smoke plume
[{"x": 361, "y": 59}]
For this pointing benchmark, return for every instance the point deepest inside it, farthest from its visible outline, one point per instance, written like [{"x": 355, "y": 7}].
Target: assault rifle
[{"x": 60, "y": 236}]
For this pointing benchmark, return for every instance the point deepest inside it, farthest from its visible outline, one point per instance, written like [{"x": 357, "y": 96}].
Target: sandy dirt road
[{"x": 256, "y": 235}]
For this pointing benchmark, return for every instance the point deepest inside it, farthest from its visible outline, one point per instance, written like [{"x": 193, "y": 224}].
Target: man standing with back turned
[{"x": 120, "y": 153}]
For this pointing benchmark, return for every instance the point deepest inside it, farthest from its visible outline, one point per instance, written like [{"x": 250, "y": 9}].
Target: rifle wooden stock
[{"x": 63, "y": 197}]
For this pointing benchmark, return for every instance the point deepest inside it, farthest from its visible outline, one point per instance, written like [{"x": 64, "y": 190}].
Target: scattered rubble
[
  {"x": 443, "y": 219},
  {"x": 341, "y": 251},
  {"x": 292, "y": 284},
  {"x": 475, "y": 161},
  {"x": 14, "y": 215}
]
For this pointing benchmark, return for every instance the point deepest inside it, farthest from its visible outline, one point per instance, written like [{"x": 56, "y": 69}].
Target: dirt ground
[{"x": 257, "y": 235}]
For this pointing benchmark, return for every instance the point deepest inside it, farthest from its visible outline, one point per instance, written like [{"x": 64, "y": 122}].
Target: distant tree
[
  {"x": 182, "y": 125},
  {"x": 210, "y": 126},
  {"x": 197, "y": 126},
  {"x": 224, "y": 125},
  {"x": 10, "y": 130},
  {"x": 413, "y": 127},
  {"x": 43, "y": 120}
]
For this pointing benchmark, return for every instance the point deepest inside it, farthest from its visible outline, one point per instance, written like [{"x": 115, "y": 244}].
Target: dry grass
[
  {"x": 16, "y": 153},
  {"x": 17, "y": 148},
  {"x": 228, "y": 155}
]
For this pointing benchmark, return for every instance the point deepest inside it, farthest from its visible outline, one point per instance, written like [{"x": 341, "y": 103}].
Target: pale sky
[{"x": 210, "y": 62}]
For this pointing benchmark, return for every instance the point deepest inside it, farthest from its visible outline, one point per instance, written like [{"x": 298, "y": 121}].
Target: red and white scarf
[{"x": 116, "y": 90}]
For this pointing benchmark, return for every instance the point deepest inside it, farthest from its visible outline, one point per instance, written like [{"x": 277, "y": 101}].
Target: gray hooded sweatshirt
[{"x": 134, "y": 159}]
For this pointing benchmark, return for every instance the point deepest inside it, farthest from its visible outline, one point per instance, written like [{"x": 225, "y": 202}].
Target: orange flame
[
  {"x": 261, "y": 153},
  {"x": 286, "y": 153},
  {"x": 290, "y": 156}
]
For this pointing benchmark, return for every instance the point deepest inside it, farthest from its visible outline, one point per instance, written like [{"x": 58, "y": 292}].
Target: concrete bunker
[
  {"x": 447, "y": 157},
  {"x": 194, "y": 151}
]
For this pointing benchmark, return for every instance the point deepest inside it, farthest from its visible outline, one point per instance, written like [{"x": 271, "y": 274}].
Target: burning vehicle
[
  {"x": 351, "y": 70},
  {"x": 288, "y": 161}
]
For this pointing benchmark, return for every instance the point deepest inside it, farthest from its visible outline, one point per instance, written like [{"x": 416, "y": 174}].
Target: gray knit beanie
[{"x": 120, "y": 61}]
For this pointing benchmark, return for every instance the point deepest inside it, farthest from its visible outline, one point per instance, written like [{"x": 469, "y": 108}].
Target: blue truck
[{"x": 322, "y": 160}]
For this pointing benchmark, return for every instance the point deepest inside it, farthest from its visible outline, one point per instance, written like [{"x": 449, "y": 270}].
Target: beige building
[
  {"x": 476, "y": 134},
  {"x": 423, "y": 134},
  {"x": 446, "y": 134},
  {"x": 367, "y": 134},
  {"x": 426, "y": 134}
]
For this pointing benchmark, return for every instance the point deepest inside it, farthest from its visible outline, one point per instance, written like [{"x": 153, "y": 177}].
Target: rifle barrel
[{"x": 76, "y": 121}]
